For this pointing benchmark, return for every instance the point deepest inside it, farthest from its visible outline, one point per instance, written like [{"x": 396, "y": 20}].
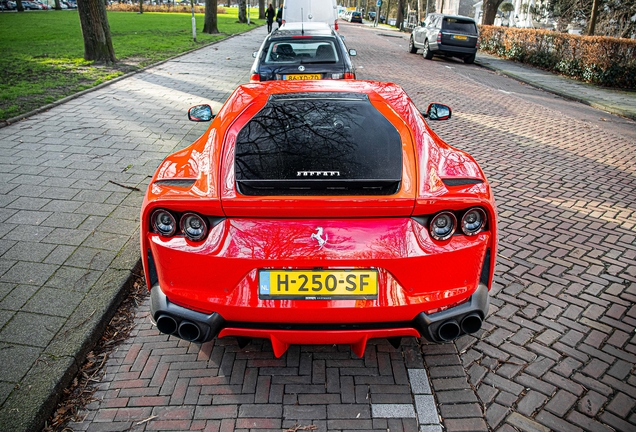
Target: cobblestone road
[{"x": 557, "y": 351}]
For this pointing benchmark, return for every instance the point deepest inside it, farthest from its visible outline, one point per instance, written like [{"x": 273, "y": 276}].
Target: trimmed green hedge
[{"x": 599, "y": 60}]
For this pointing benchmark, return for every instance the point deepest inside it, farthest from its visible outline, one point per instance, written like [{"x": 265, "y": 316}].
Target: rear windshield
[
  {"x": 459, "y": 26},
  {"x": 318, "y": 144},
  {"x": 308, "y": 50}
]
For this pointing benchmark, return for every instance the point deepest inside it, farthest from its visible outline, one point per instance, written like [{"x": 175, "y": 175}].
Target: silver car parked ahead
[{"x": 448, "y": 35}]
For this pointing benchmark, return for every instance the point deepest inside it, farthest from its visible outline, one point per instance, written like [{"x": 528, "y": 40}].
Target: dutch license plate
[
  {"x": 318, "y": 284},
  {"x": 460, "y": 37},
  {"x": 303, "y": 77}
]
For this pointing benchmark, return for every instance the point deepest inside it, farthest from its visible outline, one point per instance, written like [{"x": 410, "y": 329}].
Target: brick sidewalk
[
  {"x": 557, "y": 351},
  {"x": 159, "y": 382}
]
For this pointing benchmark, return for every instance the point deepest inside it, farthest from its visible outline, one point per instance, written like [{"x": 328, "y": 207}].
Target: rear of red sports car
[{"x": 319, "y": 213}]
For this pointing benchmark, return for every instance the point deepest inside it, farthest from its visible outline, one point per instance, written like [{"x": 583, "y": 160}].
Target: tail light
[
  {"x": 439, "y": 37},
  {"x": 163, "y": 223},
  {"x": 349, "y": 75},
  {"x": 255, "y": 77},
  {"x": 473, "y": 221},
  {"x": 443, "y": 225},
  {"x": 193, "y": 226}
]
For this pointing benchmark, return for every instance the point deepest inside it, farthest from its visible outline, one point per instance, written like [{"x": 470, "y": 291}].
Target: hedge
[{"x": 599, "y": 60}]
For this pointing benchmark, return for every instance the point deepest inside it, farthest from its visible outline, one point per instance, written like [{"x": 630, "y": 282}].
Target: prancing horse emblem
[{"x": 318, "y": 237}]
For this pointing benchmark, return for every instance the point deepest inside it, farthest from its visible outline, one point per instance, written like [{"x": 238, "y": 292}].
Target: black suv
[
  {"x": 303, "y": 52},
  {"x": 448, "y": 35}
]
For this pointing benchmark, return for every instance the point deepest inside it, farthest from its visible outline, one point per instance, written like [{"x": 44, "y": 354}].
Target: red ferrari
[{"x": 322, "y": 212}]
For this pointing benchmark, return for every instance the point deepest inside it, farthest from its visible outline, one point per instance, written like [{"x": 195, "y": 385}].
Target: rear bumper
[
  {"x": 452, "y": 49},
  {"x": 200, "y": 327}
]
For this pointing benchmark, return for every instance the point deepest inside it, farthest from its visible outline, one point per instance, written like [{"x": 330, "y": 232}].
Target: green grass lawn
[{"x": 42, "y": 51}]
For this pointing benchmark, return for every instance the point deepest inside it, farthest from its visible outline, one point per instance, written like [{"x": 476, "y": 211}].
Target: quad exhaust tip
[
  {"x": 189, "y": 331},
  {"x": 471, "y": 323},
  {"x": 449, "y": 330},
  {"x": 166, "y": 324}
]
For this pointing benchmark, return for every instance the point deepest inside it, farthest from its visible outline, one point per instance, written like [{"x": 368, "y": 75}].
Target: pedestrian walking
[
  {"x": 279, "y": 15},
  {"x": 270, "y": 13}
]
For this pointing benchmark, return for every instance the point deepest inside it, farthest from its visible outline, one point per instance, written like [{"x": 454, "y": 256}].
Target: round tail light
[
  {"x": 194, "y": 226},
  {"x": 443, "y": 225},
  {"x": 163, "y": 223},
  {"x": 473, "y": 221}
]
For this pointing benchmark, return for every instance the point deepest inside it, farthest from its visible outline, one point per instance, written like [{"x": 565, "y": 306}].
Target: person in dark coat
[
  {"x": 279, "y": 15},
  {"x": 270, "y": 13}
]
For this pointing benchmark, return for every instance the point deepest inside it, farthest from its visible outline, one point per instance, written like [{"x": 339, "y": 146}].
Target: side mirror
[
  {"x": 254, "y": 54},
  {"x": 353, "y": 52},
  {"x": 200, "y": 113},
  {"x": 436, "y": 111}
]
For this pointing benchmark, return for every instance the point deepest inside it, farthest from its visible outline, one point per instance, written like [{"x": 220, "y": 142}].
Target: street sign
[{"x": 379, "y": 3}]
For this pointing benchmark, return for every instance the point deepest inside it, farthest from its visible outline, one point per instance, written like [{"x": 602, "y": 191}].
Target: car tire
[
  {"x": 469, "y": 59},
  {"x": 412, "y": 47},
  {"x": 426, "y": 51}
]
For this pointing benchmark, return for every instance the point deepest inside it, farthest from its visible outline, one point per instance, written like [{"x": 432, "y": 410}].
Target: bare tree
[
  {"x": 141, "y": 6},
  {"x": 490, "y": 11},
  {"x": 399, "y": 21},
  {"x": 242, "y": 11},
  {"x": 98, "y": 45},
  {"x": 261, "y": 9},
  {"x": 58, "y": 6},
  {"x": 18, "y": 5},
  {"x": 210, "y": 21},
  {"x": 592, "y": 24}
]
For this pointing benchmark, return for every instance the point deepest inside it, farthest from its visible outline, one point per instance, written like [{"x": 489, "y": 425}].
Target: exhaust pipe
[
  {"x": 471, "y": 323},
  {"x": 189, "y": 331},
  {"x": 166, "y": 324},
  {"x": 449, "y": 330}
]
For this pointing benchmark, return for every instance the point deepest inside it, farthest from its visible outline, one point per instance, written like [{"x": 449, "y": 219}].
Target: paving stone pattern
[
  {"x": 70, "y": 218},
  {"x": 159, "y": 382},
  {"x": 558, "y": 349}
]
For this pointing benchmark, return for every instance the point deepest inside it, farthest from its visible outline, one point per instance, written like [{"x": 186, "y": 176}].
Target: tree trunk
[
  {"x": 18, "y": 5},
  {"x": 399, "y": 21},
  {"x": 141, "y": 6},
  {"x": 210, "y": 22},
  {"x": 58, "y": 6},
  {"x": 490, "y": 11},
  {"x": 242, "y": 11},
  {"x": 261, "y": 9},
  {"x": 592, "y": 25},
  {"x": 98, "y": 45}
]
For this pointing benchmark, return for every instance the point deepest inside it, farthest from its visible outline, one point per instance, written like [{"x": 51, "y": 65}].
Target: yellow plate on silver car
[
  {"x": 318, "y": 284},
  {"x": 303, "y": 77}
]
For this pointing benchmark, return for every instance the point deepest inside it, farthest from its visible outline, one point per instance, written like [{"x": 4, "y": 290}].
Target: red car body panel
[{"x": 220, "y": 274}]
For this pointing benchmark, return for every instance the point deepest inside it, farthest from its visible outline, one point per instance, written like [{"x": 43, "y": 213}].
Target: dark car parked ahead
[
  {"x": 448, "y": 35},
  {"x": 303, "y": 52},
  {"x": 355, "y": 17}
]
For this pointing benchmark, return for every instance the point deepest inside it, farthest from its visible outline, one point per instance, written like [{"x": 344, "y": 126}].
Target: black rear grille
[{"x": 318, "y": 187}]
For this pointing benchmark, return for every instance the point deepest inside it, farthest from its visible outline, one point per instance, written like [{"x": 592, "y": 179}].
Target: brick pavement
[
  {"x": 159, "y": 382},
  {"x": 558, "y": 349},
  {"x": 69, "y": 237}
]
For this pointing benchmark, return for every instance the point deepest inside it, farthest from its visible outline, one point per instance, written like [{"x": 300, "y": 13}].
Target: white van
[{"x": 311, "y": 11}]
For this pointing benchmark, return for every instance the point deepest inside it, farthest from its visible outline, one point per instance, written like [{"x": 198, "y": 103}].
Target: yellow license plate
[
  {"x": 318, "y": 284},
  {"x": 460, "y": 37},
  {"x": 303, "y": 77}
]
